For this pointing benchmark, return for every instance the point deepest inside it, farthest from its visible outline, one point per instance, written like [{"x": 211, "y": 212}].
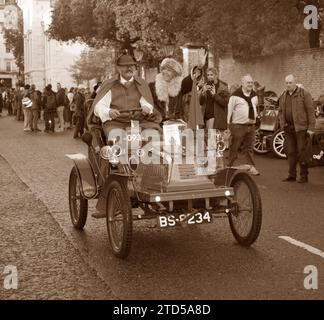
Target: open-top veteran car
[{"x": 174, "y": 193}]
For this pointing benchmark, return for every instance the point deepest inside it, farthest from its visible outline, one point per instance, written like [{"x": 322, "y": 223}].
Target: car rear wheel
[{"x": 245, "y": 221}]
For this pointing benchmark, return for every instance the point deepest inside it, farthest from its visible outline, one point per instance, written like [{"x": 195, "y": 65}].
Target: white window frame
[{"x": 8, "y": 63}]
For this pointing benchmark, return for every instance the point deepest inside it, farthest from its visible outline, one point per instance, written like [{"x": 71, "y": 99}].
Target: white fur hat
[{"x": 172, "y": 64}]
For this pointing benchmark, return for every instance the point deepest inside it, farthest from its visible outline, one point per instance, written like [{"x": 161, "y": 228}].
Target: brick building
[{"x": 307, "y": 65}]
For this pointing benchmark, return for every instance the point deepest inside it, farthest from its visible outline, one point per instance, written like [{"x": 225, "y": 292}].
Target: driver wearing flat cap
[{"x": 123, "y": 92}]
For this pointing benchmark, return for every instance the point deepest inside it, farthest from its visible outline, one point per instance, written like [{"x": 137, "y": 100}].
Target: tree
[
  {"x": 93, "y": 64},
  {"x": 247, "y": 28},
  {"x": 250, "y": 28},
  {"x": 122, "y": 23},
  {"x": 14, "y": 39}
]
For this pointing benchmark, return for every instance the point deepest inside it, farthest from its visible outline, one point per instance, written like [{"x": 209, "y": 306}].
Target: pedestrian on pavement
[
  {"x": 10, "y": 101},
  {"x": 26, "y": 107},
  {"x": 95, "y": 90},
  {"x": 214, "y": 100},
  {"x": 36, "y": 99},
  {"x": 70, "y": 96},
  {"x": 87, "y": 94},
  {"x": 15, "y": 101},
  {"x": 67, "y": 112},
  {"x": 297, "y": 119},
  {"x": 19, "y": 97},
  {"x": 5, "y": 98},
  {"x": 61, "y": 102},
  {"x": 79, "y": 101},
  {"x": 50, "y": 106},
  {"x": 1, "y": 104},
  {"x": 241, "y": 119}
]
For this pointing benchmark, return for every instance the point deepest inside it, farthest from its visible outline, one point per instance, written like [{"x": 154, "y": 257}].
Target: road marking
[{"x": 303, "y": 246}]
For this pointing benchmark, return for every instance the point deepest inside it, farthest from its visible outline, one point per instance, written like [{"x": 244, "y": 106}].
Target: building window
[
  {"x": 8, "y": 66},
  {"x": 7, "y": 49}
]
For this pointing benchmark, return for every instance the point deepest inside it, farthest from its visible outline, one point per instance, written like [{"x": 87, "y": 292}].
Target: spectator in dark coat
[
  {"x": 95, "y": 89},
  {"x": 10, "y": 101},
  {"x": 19, "y": 97},
  {"x": 36, "y": 99},
  {"x": 50, "y": 106},
  {"x": 1, "y": 103},
  {"x": 62, "y": 102},
  {"x": 297, "y": 119},
  {"x": 79, "y": 101}
]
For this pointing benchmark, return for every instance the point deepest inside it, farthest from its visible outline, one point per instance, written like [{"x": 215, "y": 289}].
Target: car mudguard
[
  {"x": 88, "y": 181},
  {"x": 225, "y": 177},
  {"x": 102, "y": 201}
]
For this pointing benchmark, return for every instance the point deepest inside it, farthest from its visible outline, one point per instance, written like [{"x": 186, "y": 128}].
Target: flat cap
[{"x": 126, "y": 60}]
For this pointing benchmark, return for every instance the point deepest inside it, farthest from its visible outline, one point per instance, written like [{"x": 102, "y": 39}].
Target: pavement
[
  {"x": 48, "y": 266},
  {"x": 200, "y": 263}
]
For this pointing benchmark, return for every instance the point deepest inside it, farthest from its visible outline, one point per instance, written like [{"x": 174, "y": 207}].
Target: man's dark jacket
[{"x": 303, "y": 111}]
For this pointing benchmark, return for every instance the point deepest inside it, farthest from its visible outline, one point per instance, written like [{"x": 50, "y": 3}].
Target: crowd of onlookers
[{"x": 63, "y": 109}]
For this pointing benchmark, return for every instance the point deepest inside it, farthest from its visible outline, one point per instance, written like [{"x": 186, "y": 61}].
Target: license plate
[{"x": 173, "y": 221}]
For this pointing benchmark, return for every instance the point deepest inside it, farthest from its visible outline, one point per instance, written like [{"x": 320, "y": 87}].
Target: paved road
[
  {"x": 48, "y": 266},
  {"x": 204, "y": 263}
]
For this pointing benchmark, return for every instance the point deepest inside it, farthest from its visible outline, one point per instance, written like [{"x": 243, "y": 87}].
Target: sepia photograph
[{"x": 161, "y": 155}]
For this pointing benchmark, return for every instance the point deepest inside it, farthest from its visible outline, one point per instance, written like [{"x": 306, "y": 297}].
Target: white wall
[{"x": 46, "y": 61}]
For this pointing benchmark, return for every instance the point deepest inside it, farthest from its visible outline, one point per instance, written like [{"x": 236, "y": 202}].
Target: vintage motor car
[
  {"x": 269, "y": 137},
  {"x": 173, "y": 194}
]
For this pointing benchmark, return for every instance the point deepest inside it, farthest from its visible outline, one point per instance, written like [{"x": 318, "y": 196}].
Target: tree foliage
[
  {"x": 93, "y": 64},
  {"x": 247, "y": 28},
  {"x": 121, "y": 23},
  {"x": 14, "y": 39}
]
